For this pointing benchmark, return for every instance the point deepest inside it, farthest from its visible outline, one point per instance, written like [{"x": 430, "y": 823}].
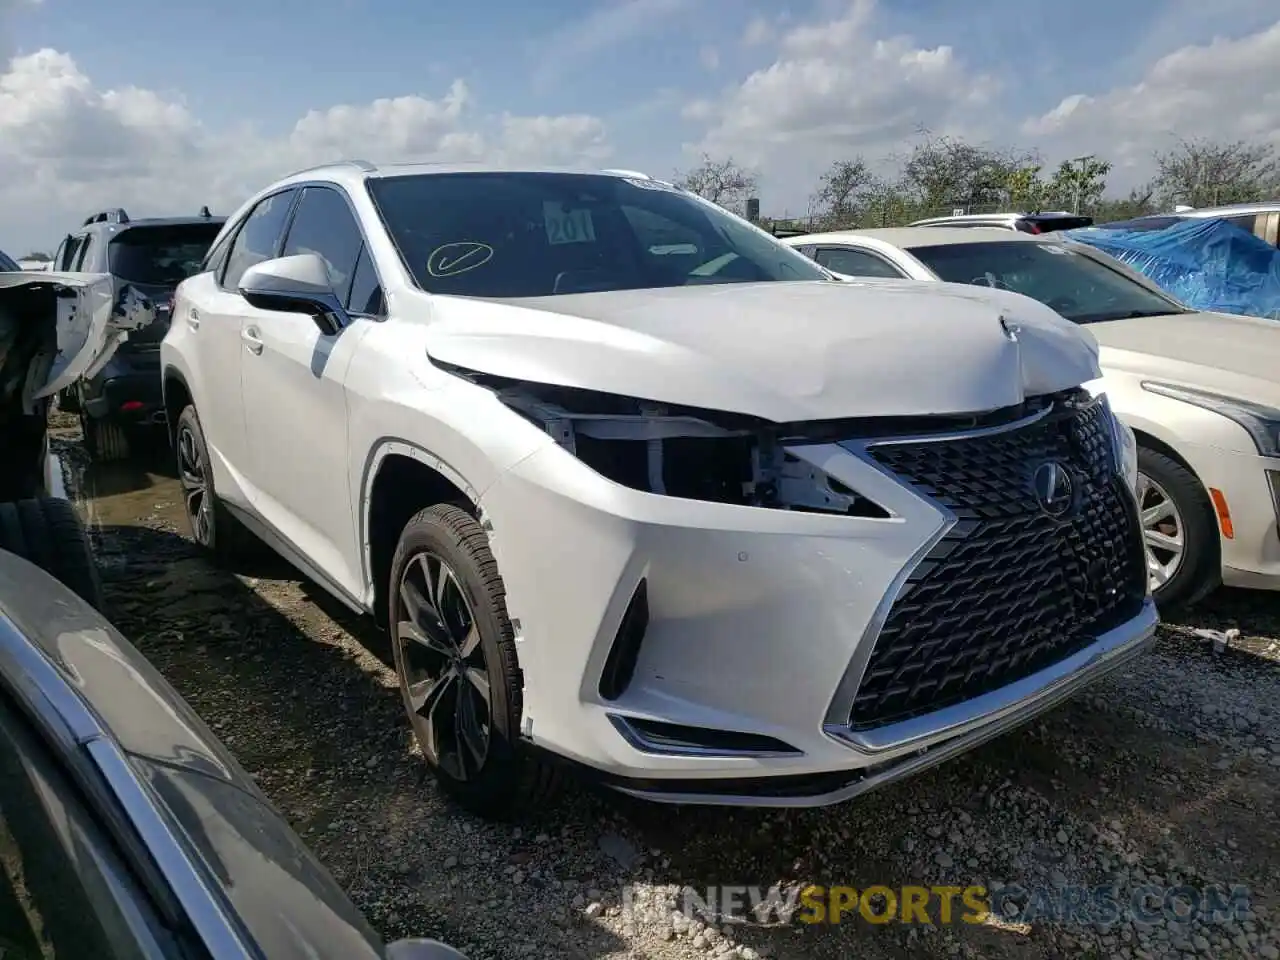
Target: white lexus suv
[{"x": 637, "y": 489}]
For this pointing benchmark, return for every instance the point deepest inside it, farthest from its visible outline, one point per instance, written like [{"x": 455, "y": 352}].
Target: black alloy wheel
[
  {"x": 193, "y": 475},
  {"x": 444, "y": 676}
]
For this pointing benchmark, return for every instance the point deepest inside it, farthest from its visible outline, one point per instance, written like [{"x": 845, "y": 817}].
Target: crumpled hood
[
  {"x": 1228, "y": 354},
  {"x": 785, "y": 352}
]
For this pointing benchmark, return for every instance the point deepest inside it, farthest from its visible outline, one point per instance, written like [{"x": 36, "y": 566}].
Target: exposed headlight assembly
[
  {"x": 689, "y": 454},
  {"x": 647, "y": 447},
  {"x": 1261, "y": 422},
  {"x": 1125, "y": 446}
]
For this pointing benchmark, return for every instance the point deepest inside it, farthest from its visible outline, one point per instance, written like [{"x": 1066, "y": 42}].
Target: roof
[
  {"x": 922, "y": 236},
  {"x": 345, "y": 170},
  {"x": 1263, "y": 206},
  {"x": 152, "y": 222},
  {"x": 1002, "y": 216}
]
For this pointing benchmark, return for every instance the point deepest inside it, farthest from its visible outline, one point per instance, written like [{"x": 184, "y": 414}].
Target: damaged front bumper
[{"x": 698, "y": 634}]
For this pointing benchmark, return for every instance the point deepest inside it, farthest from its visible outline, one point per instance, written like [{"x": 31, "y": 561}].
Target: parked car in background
[
  {"x": 1199, "y": 390},
  {"x": 597, "y": 453},
  {"x": 147, "y": 259},
  {"x": 1260, "y": 219},
  {"x": 1048, "y": 221},
  {"x": 55, "y": 328},
  {"x": 126, "y": 828},
  {"x": 33, "y": 265},
  {"x": 1206, "y": 264}
]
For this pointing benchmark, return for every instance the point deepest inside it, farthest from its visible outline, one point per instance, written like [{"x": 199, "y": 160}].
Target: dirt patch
[{"x": 1164, "y": 776}]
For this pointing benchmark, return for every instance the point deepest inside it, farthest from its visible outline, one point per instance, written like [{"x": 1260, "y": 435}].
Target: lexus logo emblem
[{"x": 1054, "y": 489}]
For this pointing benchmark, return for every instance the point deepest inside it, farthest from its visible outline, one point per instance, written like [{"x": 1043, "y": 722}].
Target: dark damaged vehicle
[
  {"x": 126, "y": 828},
  {"x": 145, "y": 258}
]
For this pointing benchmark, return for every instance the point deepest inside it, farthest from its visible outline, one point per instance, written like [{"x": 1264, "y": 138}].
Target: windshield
[
  {"x": 6, "y": 263},
  {"x": 540, "y": 234},
  {"x": 161, "y": 256},
  {"x": 1075, "y": 284}
]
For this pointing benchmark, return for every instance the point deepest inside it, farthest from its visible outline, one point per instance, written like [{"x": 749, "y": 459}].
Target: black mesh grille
[{"x": 1010, "y": 590}]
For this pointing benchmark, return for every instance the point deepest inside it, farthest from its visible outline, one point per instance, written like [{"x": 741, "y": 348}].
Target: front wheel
[
  {"x": 1179, "y": 529},
  {"x": 455, "y": 657},
  {"x": 47, "y": 532},
  {"x": 212, "y": 525}
]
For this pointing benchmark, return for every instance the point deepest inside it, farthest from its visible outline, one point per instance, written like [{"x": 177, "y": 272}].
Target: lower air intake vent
[
  {"x": 620, "y": 665},
  {"x": 654, "y": 736}
]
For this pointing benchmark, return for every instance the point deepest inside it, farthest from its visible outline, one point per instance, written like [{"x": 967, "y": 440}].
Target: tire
[
  {"x": 106, "y": 440},
  {"x": 1199, "y": 571},
  {"x": 47, "y": 532},
  {"x": 212, "y": 524},
  {"x": 507, "y": 781}
]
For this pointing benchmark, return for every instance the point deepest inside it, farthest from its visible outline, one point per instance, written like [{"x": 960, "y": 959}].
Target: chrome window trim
[{"x": 46, "y": 692}]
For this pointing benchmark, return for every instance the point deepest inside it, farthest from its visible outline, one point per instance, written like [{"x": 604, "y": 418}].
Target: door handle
[
  {"x": 252, "y": 340},
  {"x": 193, "y": 319}
]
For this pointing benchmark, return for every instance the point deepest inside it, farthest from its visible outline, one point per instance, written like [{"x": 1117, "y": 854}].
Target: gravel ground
[{"x": 1163, "y": 776}]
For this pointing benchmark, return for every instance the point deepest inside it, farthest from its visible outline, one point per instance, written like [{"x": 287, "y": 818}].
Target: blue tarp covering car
[{"x": 1206, "y": 264}]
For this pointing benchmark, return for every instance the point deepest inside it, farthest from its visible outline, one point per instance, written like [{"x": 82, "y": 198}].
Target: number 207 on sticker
[{"x": 567, "y": 226}]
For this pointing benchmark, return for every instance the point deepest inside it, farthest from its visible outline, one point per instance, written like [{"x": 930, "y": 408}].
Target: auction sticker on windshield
[{"x": 567, "y": 225}]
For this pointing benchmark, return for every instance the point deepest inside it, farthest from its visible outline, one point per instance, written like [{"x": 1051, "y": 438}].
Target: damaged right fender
[{"x": 56, "y": 328}]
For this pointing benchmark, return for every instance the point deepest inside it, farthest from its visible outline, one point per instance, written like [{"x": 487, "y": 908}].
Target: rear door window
[
  {"x": 161, "y": 256},
  {"x": 855, "y": 263}
]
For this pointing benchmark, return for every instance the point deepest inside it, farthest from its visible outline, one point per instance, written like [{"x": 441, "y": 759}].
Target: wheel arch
[
  {"x": 175, "y": 395},
  {"x": 399, "y": 479},
  {"x": 1156, "y": 445}
]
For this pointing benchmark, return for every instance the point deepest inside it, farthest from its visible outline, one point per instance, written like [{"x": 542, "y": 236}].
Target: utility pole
[{"x": 1084, "y": 166}]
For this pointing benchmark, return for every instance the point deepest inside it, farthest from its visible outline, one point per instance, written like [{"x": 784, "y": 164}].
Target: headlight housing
[
  {"x": 1261, "y": 422},
  {"x": 1126, "y": 449},
  {"x": 687, "y": 454}
]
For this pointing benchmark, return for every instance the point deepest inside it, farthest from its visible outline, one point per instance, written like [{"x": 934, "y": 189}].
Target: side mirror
[
  {"x": 297, "y": 284},
  {"x": 422, "y": 950}
]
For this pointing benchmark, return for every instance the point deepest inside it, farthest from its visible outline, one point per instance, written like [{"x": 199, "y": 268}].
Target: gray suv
[{"x": 147, "y": 258}]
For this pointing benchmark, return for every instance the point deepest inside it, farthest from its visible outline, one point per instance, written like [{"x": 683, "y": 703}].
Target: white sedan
[
  {"x": 633, "y": 485},
  {"x": 1199, "y": 390}
]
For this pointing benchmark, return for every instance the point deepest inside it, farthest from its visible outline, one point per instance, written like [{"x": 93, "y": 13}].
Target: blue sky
[{"x": 635, "y": 66}]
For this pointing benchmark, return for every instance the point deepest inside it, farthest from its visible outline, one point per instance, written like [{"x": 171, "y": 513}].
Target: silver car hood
[
  {"x": 1233, "y": 355},
  {"x": 785, "y": 352}
]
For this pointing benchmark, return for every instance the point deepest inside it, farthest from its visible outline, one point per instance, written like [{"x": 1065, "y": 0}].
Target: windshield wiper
[{"x": 1128, "y": 315}]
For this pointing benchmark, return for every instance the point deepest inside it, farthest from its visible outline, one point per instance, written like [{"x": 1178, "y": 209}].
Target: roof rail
[
  {"x": 364, "y": 166},
  {"x": 108, "y": 216}
]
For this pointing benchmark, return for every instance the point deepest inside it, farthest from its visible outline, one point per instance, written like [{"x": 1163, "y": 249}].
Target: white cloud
[
  {"x": 68, "y": 148},
  {"x": 833, "y": 90},
  {"x": 1226, "y": 89}
]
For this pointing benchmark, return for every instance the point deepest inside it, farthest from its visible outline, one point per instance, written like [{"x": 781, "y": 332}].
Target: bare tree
[
  {"x": 1206, "y": 173},
  {"x": 844, "y": 191},
  {"x": 723, "y": 182},
  {"x": 949, "y": 172}
]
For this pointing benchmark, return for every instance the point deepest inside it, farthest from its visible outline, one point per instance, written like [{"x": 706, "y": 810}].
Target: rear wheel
[
  {"x": 212, "y": 525},
  {"x": 105, "y": 440},
  {"x": 456, "y": 660},
  {"x": 47, "y": 532},
  {"x": 1180, "y": 530}
]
